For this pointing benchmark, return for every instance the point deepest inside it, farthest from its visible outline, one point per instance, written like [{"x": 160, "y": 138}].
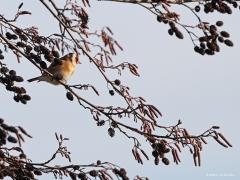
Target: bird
[{"x": 61, "y": 69}]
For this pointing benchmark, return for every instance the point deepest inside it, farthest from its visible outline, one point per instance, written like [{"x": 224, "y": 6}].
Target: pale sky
[{"x": 200, "y": 90}]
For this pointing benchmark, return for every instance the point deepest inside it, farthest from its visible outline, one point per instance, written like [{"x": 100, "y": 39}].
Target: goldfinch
[{"x": 62, "y": 69}]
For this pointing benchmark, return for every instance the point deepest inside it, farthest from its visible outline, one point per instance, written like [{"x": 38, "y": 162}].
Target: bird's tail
[{"x": 34, "y": 79}]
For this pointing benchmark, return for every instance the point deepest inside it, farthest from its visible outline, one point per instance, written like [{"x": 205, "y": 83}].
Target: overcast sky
[{"x": 200, "y": 90}]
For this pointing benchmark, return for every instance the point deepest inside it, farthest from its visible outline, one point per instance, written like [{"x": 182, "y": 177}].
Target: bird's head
[{"x": 74, "y": 58}]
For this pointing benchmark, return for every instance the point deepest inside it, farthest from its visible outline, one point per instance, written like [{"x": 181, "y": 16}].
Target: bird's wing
[{"x": 57, "y": 64}]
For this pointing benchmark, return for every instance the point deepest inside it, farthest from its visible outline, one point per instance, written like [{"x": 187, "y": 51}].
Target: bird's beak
[{"x": 77, "y": 60}]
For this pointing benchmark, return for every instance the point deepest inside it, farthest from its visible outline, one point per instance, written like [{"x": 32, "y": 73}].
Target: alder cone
[
  {"x": 179, "y": 34},
  {"x": 170, "y": 32},
  {"x": 18, "y": 79},
  {"x": 155, "y": 153},
  {"x": 12, "y": 73},
  {"x": 165, "y": 161},
  {"x": 69, "y": 96},
  {"x": 99, "y": 162},
  {"x": 156, "y": 161},
  {"x": 93, "y": 173},
  {"x": 12, "y": 139},
  {"x": 55, "y": 54},
  {"x": 220, "y": 39},
  {"x": 228, "y": 42},
  {"x": 117, "y": 82},
  {"x": 27, "y": 97},
  {"x": 37, "y": 172},
  {"x": 159, "y": 18},
  {"x": 209, "y": 52},
  {"x": 1, "y": 56},
  {"x": 225, "y": 34},
  {"x": 111, "y": 92},
  {"x": 43, "y": 65},
  {"x": 197, "y": 8},
  {"x": 22, "y": 156},
  {"x": 219, "y": 23},
  {"x": 82, "y": 176},
  {"x": 111, "y": 132},
  {"x": 1, "y": 120}
]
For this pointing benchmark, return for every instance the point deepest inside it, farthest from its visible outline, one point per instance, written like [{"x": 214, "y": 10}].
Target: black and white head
[{"x": 73, "y": 57}]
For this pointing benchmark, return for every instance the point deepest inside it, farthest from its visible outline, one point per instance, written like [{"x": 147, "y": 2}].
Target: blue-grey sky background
[{"x": 200, "y": 90}]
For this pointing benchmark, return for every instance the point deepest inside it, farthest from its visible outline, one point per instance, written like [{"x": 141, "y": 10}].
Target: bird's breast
[{"x": 67, "y": 69}]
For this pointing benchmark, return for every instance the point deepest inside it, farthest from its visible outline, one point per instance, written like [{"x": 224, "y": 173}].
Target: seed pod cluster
[
  {"x": 8, "y": 78},
  {"x": 209, "y": 43},
  {"x": 37, "y": 51},
  {"x": 121, "y": 173},
  {"x": 174, "y": 30},
  {"x": 223, "y": 7},
  {"x": 34, "y": 56},
  {"x": 18, "y": 32},
  {"x": 50, "y": 56},
  {"x": 10, "y": 36},
  {"x": 5, "y": 133},
  {"x": 46, "y": 54},
  {"x": 159, "y": 151},
  {"x": 17, "y": 169}
]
